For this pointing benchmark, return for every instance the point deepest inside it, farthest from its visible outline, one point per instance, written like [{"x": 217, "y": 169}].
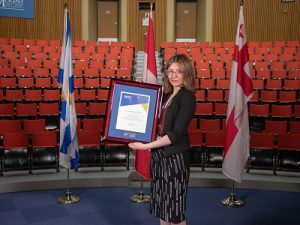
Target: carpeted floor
[{"x": 112, "y": 206}]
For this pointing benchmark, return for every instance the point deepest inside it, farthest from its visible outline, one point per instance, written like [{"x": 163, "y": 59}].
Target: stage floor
[{"x": 16, "y": 181}]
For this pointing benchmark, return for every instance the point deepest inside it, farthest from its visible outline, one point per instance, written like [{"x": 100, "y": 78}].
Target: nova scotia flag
[{"x": 68, "y": 148}]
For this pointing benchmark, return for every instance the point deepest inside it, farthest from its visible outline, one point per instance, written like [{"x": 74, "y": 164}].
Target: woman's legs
[
  {"x": 162, "y": 222},
  {"x": 182, "y": 223}
]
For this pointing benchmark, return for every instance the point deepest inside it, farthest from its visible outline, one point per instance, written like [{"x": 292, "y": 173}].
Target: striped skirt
[{"x": 170, "y": 176}]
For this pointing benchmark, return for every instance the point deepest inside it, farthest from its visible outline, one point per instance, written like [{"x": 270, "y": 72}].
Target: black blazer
[{"x": 178, "y": 116}]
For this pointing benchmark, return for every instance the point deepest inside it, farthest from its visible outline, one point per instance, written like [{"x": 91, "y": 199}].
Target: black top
[{"x": 178, "y": 116}]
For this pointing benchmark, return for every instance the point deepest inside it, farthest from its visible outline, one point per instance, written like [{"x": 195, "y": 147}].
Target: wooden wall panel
[
  {"x": 48, "y": 21},
  {"x": 266, "y": 20},
  {"x": 135, "y": 28}
]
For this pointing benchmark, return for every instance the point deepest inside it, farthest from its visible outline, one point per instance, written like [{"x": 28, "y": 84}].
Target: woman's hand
[{"x": 138, "y": 146}]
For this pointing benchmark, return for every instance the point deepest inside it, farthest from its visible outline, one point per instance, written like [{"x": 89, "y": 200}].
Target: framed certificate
[{"x": 132, "y": 111}]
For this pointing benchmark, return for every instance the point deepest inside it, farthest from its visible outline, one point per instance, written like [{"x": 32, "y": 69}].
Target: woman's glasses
[{"x": 174, "y": 72}]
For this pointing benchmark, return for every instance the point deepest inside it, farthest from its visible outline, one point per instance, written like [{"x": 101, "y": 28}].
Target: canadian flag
[
  {"x": 236, "y": 148},
  {"x": 142, "y": 158}
]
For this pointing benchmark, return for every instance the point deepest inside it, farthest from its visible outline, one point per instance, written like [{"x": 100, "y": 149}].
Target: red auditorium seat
[
  {"x": 26, "y": 82},
  {"x": 87, "y": 95},
  {"x": 268, "y": 96},
  {"x": 51, "y": 95},
  {"x": 89, "y": 148},
  {"x": 31, "y": 126},
  {"x": 92, "y": 82},
  {"x": 276, "y": 126},
  {"x": 26, "y": 110},
  {"x": 294, "y": 127},
  {"x": 262, "y": 153},
  {"x": 193, "y": 126},
  {"x": 15, "y": 152},
  {"x": 81, "y": 108},
  {"x": 44, "y": 150},
  {"x": 7, "y": 110},
  {"x": 287, "y": 96},
  {"x": 206, "y": 125},
  {"x": 34, "y": 95},
  {"x": 43, "y": 82},
  {"x": 281, "y": 111},
  {"x": 259, "y": 110},
  {"x": 10, "y": 126},
  {"x": 102, "y": 94},
  {"x": 215, "y": 95},
  {"x": 200, "y": 95},
  {"x": 23, "y": 72},
  {"x": 207, "y": 83},
  {"x": 94, "y": 124},
  {"x": 14, "y": 95},
  {"x": 204, "y": 109},
  {"x": 288, "y": 146},
  {"x": 196, "y": 142},
  {"x": 97, "y": 108}
]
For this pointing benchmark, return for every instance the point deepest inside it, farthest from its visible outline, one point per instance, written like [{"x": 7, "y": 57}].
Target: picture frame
[{"x": 132, "y": 111}]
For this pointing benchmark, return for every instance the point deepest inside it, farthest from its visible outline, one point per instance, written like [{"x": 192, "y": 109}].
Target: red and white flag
[
  {"x": 236, "y": 149},
  {"x": 149, "y": 72},
  {"x": 142, "y": 158}
]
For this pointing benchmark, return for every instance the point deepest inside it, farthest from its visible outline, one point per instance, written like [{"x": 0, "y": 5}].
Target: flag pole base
[
  {"x": 140, "y": 198},
  {"x": 69, "y": 198},
  {"x": 232, "y": 201}
]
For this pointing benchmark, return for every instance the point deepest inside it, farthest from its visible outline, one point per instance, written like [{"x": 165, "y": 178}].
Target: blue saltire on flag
[{"x": 68, "y": 148}]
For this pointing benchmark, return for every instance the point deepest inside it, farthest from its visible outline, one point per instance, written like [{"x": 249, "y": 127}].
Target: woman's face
[{"x": 175, "y": 75}]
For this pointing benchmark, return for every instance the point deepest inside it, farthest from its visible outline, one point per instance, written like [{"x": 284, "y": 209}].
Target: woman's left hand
[{"x": 137, "y": 146}]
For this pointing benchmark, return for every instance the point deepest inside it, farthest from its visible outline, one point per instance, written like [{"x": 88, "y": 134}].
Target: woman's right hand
[{"x": 137, "y": 146}]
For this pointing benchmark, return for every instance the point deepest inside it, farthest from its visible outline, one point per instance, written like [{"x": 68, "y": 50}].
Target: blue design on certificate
[{"x": 133, "y": 112}]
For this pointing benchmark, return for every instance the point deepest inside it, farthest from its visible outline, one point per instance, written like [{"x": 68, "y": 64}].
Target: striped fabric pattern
[{"x": 169, "y": 186}]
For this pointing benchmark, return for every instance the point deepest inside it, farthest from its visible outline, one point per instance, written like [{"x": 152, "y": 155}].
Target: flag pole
[
  {"x": 68, "y": 198},
  {"x": 232, "y": 201},
  {"x": 66, "y": 72},
  {"x": 141, "y": 197},
  {"x": 237, "y": 127}
]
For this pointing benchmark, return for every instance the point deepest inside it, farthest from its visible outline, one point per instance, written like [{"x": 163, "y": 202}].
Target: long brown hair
[{"x": 187, "y": 71}]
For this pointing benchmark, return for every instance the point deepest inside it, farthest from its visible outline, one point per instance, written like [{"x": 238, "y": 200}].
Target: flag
[
  {"x": 149, "y": 71},
  {"x": 236, "y": 148},
  {"x": 68, "y": 147},
  {"x": 142, "y": 158}
]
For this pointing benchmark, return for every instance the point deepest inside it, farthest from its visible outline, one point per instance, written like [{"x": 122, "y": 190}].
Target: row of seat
[
  {"x": 76, "y": 54},
  {"x": 52, "y": 61},
  {"x": 39, "y": 150},
  {"x": 269, "y": 126},
  {"x": 88, "y": 105},
  {"x": 266, "y": 151},
  {"x": 52, "y": 82},
  {"x": 259, "y": 84},
  {"x": 254, "y": 73},
  {"x": 222, "y": 54},
  {"x": 14, "y": 73},
  {"x": 39, "y": 125},
  {"x": 215, "y": 109},
  {"x": 76, "y": 43},
  {"x": 36, "y": 110},
  {"x": 9, "y": 76},
  {"x": 259, "y": 96},
  {"x": 229, "y": 44}
]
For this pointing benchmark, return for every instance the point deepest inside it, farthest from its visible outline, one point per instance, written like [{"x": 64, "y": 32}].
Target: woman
[{"x": 169, "y": 156}]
